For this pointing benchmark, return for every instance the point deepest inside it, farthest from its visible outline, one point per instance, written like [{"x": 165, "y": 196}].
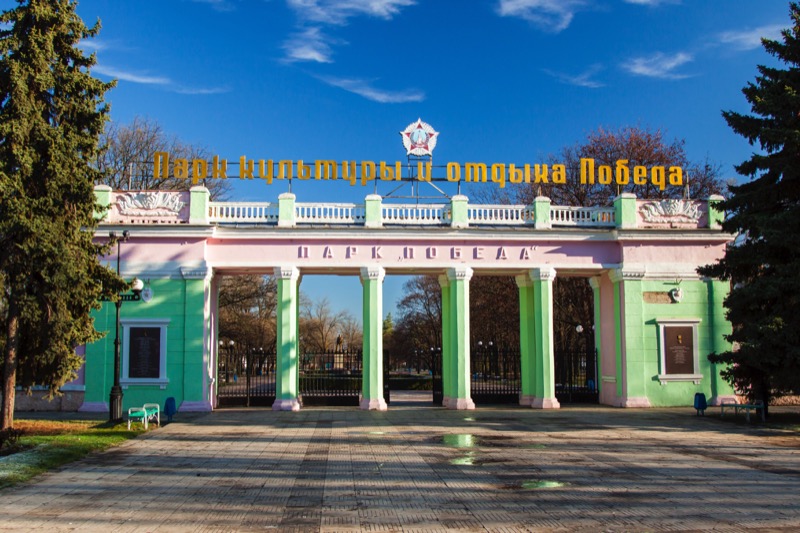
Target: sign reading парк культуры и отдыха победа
[{"x": 365, "y": 172}]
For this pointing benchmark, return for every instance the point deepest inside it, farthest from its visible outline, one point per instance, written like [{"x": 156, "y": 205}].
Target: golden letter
[
  {"x": 604, "y": 174},
  {"x": 423, "y": 175},
  {"x": 303, "y": 171},
  {"x": 325, "y": 170},
  {"x": 266, "y": 170},
  {"x": 675, "y": 176},
  {"x": 219, "y": 168},
  {"x": 657, "y": 177},
  {"x": 453, "y": 172},
  {"x": 387, "y": 173},
  {"x": 349, "y": 172},
  {"x": 623, "y": 174},
  {"x": 246, "y": 168},
  {"x": 559, "y": 174},
  {"x": 285, "y": 169},
  {"x": 640, "y": 175},
  {"x": 540, "y": 173},
  {"x": 499, "y": 174},
  {"x": 199, "y": 170},
  {"x": 514, "y": 174},
  {"x": 367, "y": 172},
  {"x": 181, "y": 167},
  {"x": 587, "y": 171},
  {"x": 475, "y": 172},
  {"x": 161, "y": 165}
]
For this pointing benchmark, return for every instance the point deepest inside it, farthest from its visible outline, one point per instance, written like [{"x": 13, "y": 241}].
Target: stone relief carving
[
  {"x": 152, "y": 204},
  {"x": 670, "y": 211}
]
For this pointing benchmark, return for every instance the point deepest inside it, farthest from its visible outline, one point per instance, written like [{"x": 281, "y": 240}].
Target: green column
[
  {"x": 447, "y": 358},
  {"x": 715, "y": 215},
  {"x": 541, "y": 213},
  {"x": 459, "y": 338},
  {"x": 718, "y": 325},
  {"x": 286, "y": 377},
  {"x": 625, "y": 210},
  {"x": 373, "y": 217},
  {"x": 544, "y": 374},
  {"x": 198, "y": 205},
  {"x": 372, "y": 380},
  {"x": 526, "y": 338},
  {"x": 102, "y": 195},
  {"x": 196, "y": 374},
  {"x": 629, "y": 331},
  {"x": 286, "y": 214},
  {"x": 458, "y": 212}
]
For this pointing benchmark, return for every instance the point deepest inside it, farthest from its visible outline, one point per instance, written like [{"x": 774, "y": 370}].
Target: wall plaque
[
  {"x": 144, "y": 355},
  {"x": 679, "y": 350}
]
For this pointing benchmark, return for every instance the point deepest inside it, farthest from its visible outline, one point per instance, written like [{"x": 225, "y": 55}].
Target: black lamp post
[{"x": 115, "y": 398}]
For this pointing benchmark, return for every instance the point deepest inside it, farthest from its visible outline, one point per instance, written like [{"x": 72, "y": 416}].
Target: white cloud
[
  {"x": 551, "y": 15},
  {"x": 132, "y": 77},
  {"x": 658, "y": 65},
  {"x": 750, "y": 39},
  {"x": 583, "y": 79},
  {"x": 146, "y": 79},
  {"x": 365, "y": 89},
  {"x": 652, "y": 2},
  {"x": 309, "y": 45},
  {"x": 338, "y": 12},
  {"x": 218, "y": 5}
]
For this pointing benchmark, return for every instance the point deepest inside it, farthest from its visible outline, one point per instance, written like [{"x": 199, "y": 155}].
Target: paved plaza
[{"x": 416, "y": 468}]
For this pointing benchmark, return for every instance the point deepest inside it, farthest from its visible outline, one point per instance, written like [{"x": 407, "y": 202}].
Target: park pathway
[{"x": 417, "y": 468}]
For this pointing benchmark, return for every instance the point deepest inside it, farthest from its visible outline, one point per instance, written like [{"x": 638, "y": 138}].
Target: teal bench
[
  {"x": 145, "y": 414},
  {"x": 746, "y": 407}
]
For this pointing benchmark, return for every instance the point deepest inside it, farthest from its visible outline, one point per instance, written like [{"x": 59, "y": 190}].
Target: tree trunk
[{"x": 10, "y": 366}]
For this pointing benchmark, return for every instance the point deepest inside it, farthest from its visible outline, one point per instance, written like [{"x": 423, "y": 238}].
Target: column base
[
  {"x": 526, "y": 400},
  {"x": 634, "y": 401},
  {"x": 545, "y": 403},
  {"x": 461, "y": 404},
  {"x": 194, "y": 407},
  {"x": 286, "y": 405},
  {"x": 373, "y": 404},
  {"x": 445, "y": 401}
]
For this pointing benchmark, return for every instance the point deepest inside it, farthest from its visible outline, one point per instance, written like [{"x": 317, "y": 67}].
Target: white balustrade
[
  {"x": 598, "y": 217},
  {"x": 414, "y": 214},
  {"x": 306, "y": 213},
  {"x": 256, "y": 212},
  {"x": 510, "y": 215}
]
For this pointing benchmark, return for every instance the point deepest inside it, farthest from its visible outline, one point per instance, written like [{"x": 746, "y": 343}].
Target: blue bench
[
  {"x": 149, "y": 412},
  {"x": 746, "y": 407}
]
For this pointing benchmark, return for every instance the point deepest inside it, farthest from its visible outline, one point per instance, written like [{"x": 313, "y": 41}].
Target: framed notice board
[
  {"x": 678, "y": 350},
  {"x": 144, "y": 352}
]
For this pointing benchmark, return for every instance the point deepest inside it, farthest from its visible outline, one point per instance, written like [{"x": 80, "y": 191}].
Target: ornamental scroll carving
[
  {"x": 671, "y": 211},
  {"x": 150, "y": 204}
]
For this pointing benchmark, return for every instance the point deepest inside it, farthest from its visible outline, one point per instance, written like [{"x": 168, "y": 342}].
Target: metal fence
[
  {"x": 330, "y": 378},
  {"x": 576, "y": 377},
  {"x": 245, "y": 377},
  {"x": 495, "y": 374}
]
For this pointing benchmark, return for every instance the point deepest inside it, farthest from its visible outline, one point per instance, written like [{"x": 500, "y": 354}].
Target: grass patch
[{"x": 48, "y": 444}]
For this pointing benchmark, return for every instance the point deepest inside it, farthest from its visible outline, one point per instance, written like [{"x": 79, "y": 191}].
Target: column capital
[
  {"x": 542, "y": 274},
  {"x": 459, "y": 273},
  {"x": 632, "y": 273},
  {"x": 287, "y": 272},
  {"x": 594, "y": 282},
  {"x": 373, "y": 272},
  {"x": 523, "y": 281},
  {"x": 444, "y": 281}
]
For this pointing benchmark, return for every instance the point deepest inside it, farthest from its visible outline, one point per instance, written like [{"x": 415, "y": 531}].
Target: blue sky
[{"x": 502, "y": 80}]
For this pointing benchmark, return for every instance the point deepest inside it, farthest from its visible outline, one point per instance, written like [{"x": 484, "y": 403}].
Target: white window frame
[
  {"x": 665, "y": 378},
  {"x": 127, "y": 324}
]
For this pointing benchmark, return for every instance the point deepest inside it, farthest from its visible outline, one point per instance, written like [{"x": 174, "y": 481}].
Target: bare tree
[
  {"x": 247, "y": 307},
  {"x": 320, "y": 325},
  {"x": 126, "y": 159}
]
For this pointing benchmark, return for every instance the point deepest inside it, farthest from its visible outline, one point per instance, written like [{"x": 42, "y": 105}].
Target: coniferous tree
[
  {"x": 764, "y": 261},
  {"x": 51, "y": 115}
]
